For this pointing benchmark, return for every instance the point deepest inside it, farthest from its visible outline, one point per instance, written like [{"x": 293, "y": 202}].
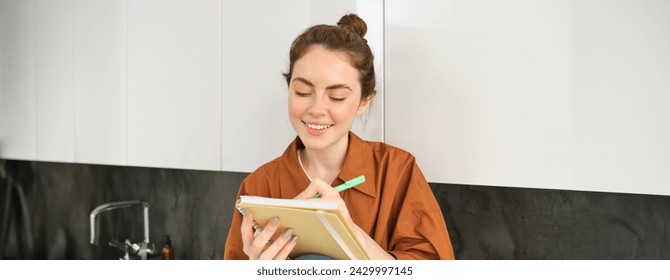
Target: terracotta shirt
[{"x": 394, "y": 205}]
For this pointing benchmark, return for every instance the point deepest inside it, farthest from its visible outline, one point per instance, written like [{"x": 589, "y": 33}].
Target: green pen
[{"x": 347, "y": 185}]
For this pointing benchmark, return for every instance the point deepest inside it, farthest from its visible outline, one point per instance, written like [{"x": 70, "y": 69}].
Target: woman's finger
[
  {"x": 288, "y": 247},
  {"x": 248, "y": 235},
  {"x": 263, "y": 238},
  {"x": 278, "y": 247},
  {"x": 320, "y": 187}
]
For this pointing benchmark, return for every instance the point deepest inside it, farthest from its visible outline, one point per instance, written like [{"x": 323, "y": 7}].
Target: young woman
[{"x": 331, "y": 80}]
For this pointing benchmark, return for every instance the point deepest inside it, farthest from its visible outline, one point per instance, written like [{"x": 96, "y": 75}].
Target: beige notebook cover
[{"x": 319, "y": 225}]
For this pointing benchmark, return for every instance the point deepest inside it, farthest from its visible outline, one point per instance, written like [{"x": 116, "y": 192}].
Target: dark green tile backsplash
[{"x": 195, "y": 207}]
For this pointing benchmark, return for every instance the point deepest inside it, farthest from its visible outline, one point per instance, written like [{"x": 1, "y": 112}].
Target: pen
[{"x": 347, "y": 185}]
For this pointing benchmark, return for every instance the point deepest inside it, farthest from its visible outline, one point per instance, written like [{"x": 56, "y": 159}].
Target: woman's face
[{"x": 324, "y": 98}]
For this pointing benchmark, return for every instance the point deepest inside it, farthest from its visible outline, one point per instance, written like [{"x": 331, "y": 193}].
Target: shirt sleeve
[
  {"x": 421, "y": 232},
  {"x": 255, "y": 183},
  {"x": 233, "y": 249}
]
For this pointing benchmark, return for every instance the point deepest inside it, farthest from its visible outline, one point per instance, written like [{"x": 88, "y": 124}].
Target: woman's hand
[
  {"x": 258, "y": 245},
  {"x": 329, "y": 193}
]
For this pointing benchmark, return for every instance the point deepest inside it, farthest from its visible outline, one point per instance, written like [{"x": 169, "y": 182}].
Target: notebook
[{"x": 319, "y": 225}]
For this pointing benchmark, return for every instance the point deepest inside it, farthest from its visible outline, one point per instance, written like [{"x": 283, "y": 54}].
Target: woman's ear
[{"x": 365, "y": 103}]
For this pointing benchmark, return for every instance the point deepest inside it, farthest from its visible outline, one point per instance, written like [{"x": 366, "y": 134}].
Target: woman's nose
[{"x": 318, "y": 106}]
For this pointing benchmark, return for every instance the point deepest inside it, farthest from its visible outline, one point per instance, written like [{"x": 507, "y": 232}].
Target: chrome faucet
[{"x": 142, "y": 249}]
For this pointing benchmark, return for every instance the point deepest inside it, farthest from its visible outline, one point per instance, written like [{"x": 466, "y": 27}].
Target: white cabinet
[
  {"x": 621, "y": 91},
  {"x": 36, "y": 108},
  {"x": 54, "y": 88},
  {"x": 100, "y": 81},
  {"x": 541, "y": 94},
  {"x": 174, "y": 84},
  {"x": 17, "y": 80},
  {"x": 480, "y": 93},
  {"x": 255, "y": 47},
  {"x": 256, "y": 41}
]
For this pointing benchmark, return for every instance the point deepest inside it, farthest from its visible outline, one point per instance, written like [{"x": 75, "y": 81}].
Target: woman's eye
[
  {"x": 337, "y": 99},
  {"x": 301, "y": 94}
]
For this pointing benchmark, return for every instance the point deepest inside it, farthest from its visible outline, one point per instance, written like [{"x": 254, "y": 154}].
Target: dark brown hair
[{"x": 347, "y": 37}]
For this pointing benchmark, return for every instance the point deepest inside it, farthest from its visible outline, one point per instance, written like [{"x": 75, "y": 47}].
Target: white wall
[{"x": 541, "y": 94}]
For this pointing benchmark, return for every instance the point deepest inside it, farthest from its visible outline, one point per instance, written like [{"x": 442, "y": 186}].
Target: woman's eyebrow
[
  {"x": 304, "y": 81},
  {"x": 339, "y": 86},
  {"x": 331, "y": 87}
]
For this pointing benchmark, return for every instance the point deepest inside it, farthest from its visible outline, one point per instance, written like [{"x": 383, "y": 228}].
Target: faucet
[{"x": 142, "y": 250}]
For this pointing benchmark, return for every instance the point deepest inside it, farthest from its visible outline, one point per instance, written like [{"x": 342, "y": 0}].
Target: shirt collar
[{"x": 358, "y": 161}]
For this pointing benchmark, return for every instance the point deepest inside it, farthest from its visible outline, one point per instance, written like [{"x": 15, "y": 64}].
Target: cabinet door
[
  {"x": 255, "y": 47},
  {"x": 542, "y": 94},
  {"x": 481, "y": 93},
  {"x": 100, "y": 81},
  {"x": 621, "y": 57},
  {"x": 174, "y": 84},
  {"x": 54, "y": 80},
  {"x": 255, "y": 50},
  {"x": 17, "y": 80}
]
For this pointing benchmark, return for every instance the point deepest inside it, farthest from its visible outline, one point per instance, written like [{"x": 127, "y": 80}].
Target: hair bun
[{"x": 354, "y": 24}]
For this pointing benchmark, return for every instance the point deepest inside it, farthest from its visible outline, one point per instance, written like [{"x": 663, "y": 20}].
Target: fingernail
[
  {"x": 244, "y": 211},
  {"x": 274, "y": 221},
  {"x": 288, "y": 233},
  {"x": 294, "y": 239}
]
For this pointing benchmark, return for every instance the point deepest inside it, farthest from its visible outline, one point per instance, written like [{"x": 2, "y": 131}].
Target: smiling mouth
[{"x": 318, "y": 126}]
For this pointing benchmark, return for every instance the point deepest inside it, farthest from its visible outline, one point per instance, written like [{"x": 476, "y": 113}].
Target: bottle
[{"x": 167, "y": 253}]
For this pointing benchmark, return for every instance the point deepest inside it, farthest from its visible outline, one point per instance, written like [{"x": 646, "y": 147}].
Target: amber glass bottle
[{"x": 168, "y": 252}]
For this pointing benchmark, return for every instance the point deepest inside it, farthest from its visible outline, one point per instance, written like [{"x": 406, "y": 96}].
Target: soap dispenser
[{"x": 168, "y": 252}]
